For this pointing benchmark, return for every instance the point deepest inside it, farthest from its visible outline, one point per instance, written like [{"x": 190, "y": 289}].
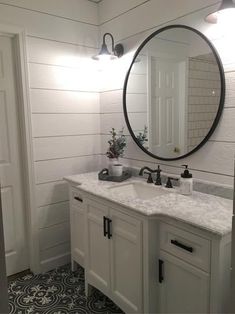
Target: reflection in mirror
[{"x": 173, "y": 93}]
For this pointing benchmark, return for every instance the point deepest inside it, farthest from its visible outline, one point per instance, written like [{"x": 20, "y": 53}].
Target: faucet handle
[
  {"x": 158, "y": 169},
  {"x": 169, "y": 183},
  {"x": 158, "y": 177},
  {"x": 150, "y": 179}
]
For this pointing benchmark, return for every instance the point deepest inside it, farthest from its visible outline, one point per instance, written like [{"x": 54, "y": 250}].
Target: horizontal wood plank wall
[
  {"x": 213, "y": 162},
  {"x": 65, "y": 108},
  {"x": 77, "y": 10}
]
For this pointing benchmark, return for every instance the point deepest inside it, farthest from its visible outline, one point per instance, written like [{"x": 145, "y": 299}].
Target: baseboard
[{"x": 55, "y": 262}]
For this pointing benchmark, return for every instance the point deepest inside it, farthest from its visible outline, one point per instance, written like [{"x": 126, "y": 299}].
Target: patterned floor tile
[{"x": 59, "y": 291}]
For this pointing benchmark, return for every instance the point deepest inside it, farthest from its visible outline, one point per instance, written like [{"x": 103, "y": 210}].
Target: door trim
[{"x": 22, "y": 90}]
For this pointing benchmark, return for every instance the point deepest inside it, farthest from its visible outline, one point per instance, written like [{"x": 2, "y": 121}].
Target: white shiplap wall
[
  {"x": 65, "y": 108},
  {"x": 130, "y": 25}
]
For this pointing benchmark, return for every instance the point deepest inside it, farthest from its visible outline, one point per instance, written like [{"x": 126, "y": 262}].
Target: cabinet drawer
[
  {"x": 185, "y": 245},
  {"x": 76, "y": 198}
]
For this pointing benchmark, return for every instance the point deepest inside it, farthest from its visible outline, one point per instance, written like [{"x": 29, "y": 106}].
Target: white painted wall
[
  {"x": 65, "y": 108},
  {"x": 130, "y": 24}
]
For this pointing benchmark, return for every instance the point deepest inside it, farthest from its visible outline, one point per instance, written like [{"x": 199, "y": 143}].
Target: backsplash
[{"x": 199, "y": 186}]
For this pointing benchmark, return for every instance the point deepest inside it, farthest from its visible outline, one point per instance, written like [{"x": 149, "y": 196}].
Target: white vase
[{"x": 115, "y": 168}]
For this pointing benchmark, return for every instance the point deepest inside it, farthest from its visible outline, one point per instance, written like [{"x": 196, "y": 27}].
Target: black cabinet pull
[
  {"x": 105, "y": 219},
  {"x": 182, "y": 246},
  {"x": 78, "y": 199},
  {"x": 160, "y": 270},
  {"x": 109, "y": 228}
]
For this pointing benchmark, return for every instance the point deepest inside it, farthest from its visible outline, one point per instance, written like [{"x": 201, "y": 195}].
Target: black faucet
[
  {"x": 150, "y": 171},
  {"x": 145, "y": 168}
]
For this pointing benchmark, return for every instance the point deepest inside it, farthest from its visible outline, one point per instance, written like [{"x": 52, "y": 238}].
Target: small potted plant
[
  {"x": 142, "y": 137},
  {"x": 117, "y": 144}
]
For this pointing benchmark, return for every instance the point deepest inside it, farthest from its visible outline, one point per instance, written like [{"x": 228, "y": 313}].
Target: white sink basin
[{"x": 139, "y": 190}]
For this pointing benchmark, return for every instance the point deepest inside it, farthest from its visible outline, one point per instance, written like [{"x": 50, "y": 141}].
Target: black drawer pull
[
  {"x": 160, "y": 270},
  {"x": 78, "y": 199},
  {"x": 182, "y": 246},
  {"x": 109, "y": 228},
  {"x": 105, "y": 219}
]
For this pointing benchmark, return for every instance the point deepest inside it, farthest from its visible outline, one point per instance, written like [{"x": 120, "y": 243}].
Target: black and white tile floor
[{"x": 60, "y": 291}]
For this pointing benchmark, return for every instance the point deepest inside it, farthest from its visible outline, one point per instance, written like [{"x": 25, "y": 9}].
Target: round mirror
[{"x": 174, "y": 92}]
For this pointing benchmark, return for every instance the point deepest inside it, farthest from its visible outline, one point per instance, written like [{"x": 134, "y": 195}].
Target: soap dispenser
[{"x": 186, "y": 182}]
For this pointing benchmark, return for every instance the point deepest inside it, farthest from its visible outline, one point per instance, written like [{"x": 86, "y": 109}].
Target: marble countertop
[{"x": 205, "y": 211}]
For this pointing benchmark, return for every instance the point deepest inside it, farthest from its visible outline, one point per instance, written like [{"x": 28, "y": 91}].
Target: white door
[
  {"x": 164, "y": 107},
  {"x": 14, "y": 218},
  {"x": 3, "y": 277},
  {"x": 126, "y": 262},
  {"x": 97, "y": 256},
  {"x": 184, "y": 288},
  {"x": 232, "y": 310}
]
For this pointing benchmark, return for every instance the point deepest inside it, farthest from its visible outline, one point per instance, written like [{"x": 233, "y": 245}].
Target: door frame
[{"x": 23, "y": 103}]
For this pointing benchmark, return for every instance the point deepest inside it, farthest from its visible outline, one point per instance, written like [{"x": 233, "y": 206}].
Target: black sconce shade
[{"x": 117, "y": 50}]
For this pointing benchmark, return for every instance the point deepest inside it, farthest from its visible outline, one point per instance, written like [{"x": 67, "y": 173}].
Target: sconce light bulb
[
  {"x": 104, "y": 57},
  {"x": 225, "y": 14}
]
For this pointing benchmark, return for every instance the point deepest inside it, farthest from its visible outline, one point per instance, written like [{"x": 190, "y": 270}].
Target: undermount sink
[{"x": 139, "y": 190}]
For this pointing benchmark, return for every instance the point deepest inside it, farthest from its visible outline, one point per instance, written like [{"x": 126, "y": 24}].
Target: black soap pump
[{"x": 186, "y": 182}]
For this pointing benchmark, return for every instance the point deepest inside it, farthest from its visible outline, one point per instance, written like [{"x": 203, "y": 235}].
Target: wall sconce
[
  {"x": 225, "y": 9},
  {"x": 104, "y": 54}
]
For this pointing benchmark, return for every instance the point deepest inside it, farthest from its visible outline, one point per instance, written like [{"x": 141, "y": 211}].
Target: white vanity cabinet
[
  {"x": 114, "y": 255},
  {"x": 148, "y": 264}
]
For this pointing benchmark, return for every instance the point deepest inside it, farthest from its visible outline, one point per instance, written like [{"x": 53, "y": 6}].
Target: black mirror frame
[{"x": 222, "y": 94}]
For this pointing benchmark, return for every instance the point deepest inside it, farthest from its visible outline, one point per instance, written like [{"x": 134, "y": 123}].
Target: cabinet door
[
  {"x": 126, "y": 262},
  {"x": 97, "y": 255},
  {"x": 184, "y": 288},
  {"x": 77, "y": 221},
  {"x": 77, "y": 235}
]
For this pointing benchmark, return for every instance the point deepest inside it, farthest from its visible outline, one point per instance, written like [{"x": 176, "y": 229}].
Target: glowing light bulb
[{"x": 226, "y": 16}]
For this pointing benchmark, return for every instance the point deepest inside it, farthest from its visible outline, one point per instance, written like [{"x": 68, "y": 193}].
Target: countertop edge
[{"x": 78, "y": 184}]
